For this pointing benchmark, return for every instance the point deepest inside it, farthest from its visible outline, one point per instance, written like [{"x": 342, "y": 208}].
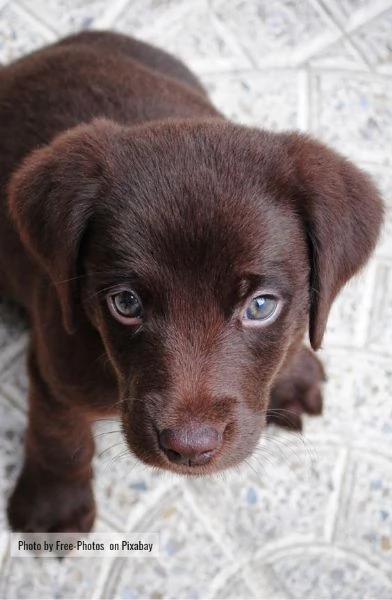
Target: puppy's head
[{"x": 206, "y": 250}]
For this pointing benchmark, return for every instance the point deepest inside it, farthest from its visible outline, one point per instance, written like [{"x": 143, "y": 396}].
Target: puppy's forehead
[
  {"x": 202, "y": 229},
  {"x": 189, "y": 202}
]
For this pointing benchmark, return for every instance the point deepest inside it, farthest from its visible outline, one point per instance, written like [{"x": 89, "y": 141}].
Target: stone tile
[
  {"x": 13, "y": 332},
  {"x": 340, "y": 53},
  {"x": 19, "y": 34},
  {"x": 12, "y": 425},
  {"x": 235, "y": 587},
  {"x": 189, "y": 557},
  {"x": 375, "y": 42},
  {"x": 338, "y": 397},
  {"x": 351, "y": 14},
  {"x": 52, "y": 578},
  {"x": 329, "y": 573},
  {"x": 351, "y": 311},
  {"x": 122, "y": 484},
  {"x": 356, "y": 407},
  {"x": 285, "y": 494},
  {"x": 383, "y": 178},
  {"x": 265, "y": 99},
  {"x": 379, "y": 333},
  {"x": 263, "y": 580},
  {"x": 67, "y": 16},
  {"x": 193, "y": 34},
  {"x": 13, "y": 381},
  {"x": 384, "y": 248},
  {"x": 281, "y": 33},
  {"x": 354, "y": 114},
  {"x": 372, "y": 410},
  {"x": 365, "y": 517},
  {"x": 144, "y": 15}
]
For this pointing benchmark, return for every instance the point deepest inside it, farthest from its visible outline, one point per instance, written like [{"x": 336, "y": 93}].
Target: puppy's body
[{"x": 203, "y": 225}]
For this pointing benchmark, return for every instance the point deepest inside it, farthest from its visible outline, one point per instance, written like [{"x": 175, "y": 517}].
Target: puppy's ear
[
  {"x": 51, "y": 198},
  {"x": 342, "y": 213}
]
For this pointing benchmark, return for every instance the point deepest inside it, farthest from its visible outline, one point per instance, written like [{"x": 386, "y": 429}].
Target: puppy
[{"x": 170, "y": 263}]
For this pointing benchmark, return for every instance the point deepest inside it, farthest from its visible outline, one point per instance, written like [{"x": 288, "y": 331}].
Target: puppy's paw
[
  {"x": 41, "y": 503},
  {"x": 297, "y": 390}
]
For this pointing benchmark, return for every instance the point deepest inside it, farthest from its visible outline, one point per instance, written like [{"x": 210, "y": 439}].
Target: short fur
[{"x": 115, "y": 168}]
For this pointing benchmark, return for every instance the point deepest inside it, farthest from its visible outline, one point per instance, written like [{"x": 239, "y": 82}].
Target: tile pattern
[{"x": 310, "y": 516}]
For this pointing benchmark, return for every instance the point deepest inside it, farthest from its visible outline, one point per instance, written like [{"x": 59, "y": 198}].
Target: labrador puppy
[{"x": 170, "y": 263}]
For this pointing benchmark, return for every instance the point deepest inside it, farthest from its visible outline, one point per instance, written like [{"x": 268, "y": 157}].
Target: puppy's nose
[{"x": 192, "y": 447}]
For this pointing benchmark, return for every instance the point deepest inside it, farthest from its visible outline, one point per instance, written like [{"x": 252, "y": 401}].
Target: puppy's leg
[
  {"x": 297, "y": 390},
  {"x": 54, "y": 491}
]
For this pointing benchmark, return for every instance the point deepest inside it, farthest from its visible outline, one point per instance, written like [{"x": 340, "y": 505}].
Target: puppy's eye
[
  {"x": 263, "y": 308},
  {"x": 126, "y": 307}
]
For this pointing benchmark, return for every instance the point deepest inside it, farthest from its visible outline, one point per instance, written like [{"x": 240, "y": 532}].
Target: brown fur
[{"x": 116, "y": 169}]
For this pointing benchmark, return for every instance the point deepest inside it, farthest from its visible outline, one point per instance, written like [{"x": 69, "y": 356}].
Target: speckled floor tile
[
  {"x": 176, "y": 573},
  {"x": 193, "y": 34},
  {"x": 340, "y": 53},
  {"x": 122, "y": 484},
  {"x": 354, "y": 114},
  {"x": 11, "y": 431},
  {"x": 18, "y": 35},
  {"x": 52, "y": 578},
  {"x": 327, "y": 573},
  {"x": 373, "y": 40},
  {"x": 278, "y": 33},
  {"x": 250, "y": 97},
  {"x": 308, "y": 516},
  {"x": 66, "y": 16},
  {"x": 366, "y": 492},
  {"x": 288, "y": 498}
]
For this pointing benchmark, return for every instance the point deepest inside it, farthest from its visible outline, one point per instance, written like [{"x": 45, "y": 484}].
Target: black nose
[{"x": 192, "y": 446}]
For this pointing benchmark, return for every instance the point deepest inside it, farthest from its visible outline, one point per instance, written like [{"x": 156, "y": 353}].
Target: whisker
[
  {"x": 97, "y": 435},
  {"x": 100, "y": 455}
]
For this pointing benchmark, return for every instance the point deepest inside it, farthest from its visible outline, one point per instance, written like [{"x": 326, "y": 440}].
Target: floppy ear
[
  {"x": 342, "y": 212},
  {"x": 50, "y": 199}
]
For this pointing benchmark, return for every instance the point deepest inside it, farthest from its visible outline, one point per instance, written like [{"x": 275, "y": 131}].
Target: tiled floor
[{"x": 312, "y": 517}]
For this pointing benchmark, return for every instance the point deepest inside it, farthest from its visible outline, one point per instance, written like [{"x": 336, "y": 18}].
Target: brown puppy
[{"x": 170, "y": 263}]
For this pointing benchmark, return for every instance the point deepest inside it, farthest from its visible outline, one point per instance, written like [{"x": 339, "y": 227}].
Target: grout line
[
  {"x": 15, "y": 351},
  {"x": 368, "y": 287},
  {"x": 333, "y": 506},
  {"x": 223, "y": 575},
  {"x": 103, "y": 578},
  {"x": 140, "y": 511},
  {"x": 5, "y": 562},
  {"x": 279, "y": 584},
  {"x": 4, "y": 547},
  {"x": 365, "y": 16},
  {"x": 295, "y": 547},
  {"x": 232, "y": 40},
  {"x": 226, "y": 550},
  {"x": 325, "y": 11},
  {"x": 304, "y": 100},
  {"x": 25, "y": 10},
  {"x": 13, "y": 402},
  {"x": 109, "y": 17}
]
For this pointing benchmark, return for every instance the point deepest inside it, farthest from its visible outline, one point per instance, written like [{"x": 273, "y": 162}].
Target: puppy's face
[
  {"x": 198, "y": 288},
  {"x": 200, "y": 245}
]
